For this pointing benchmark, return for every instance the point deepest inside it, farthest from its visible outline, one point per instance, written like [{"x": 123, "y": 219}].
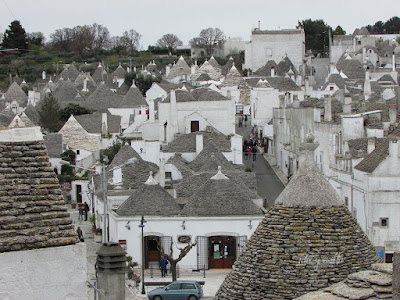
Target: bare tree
[
  {"x": 173, "y": 262},
  {"x": 209, "y": 39},
  {"x": 101, "y": 35},
  {"x": 36, "y": 38},
  {"x": 82, "y": 38},
  {"x": 131, "y": 40},
  {"x": 170, "y": 41},
  {"x": 61, "y": 39}
]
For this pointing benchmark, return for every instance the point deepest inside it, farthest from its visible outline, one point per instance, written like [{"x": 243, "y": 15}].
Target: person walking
[
  {"x": 254, "y": 151},
  {"x": 163, "y": 266},
  {"x": 80, "y": 216},
  {"x": 80, "y": 234},
  {"x": 245, "y": 120},
  {"x": 250, "y": 150},
  {"x": 86, "y": 209},
  {"x": 241, "y": 121}
]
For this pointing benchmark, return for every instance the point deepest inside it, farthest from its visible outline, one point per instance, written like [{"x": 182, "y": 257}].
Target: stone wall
[{"x": 295, "y": 250}]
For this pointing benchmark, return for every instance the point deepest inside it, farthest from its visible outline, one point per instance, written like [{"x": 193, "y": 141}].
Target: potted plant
[
  {"x": 92, "y": 220},
  {"x": 130, "y": 268}
]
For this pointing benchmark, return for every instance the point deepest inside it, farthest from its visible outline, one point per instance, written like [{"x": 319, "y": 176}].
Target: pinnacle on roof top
[
  {"x": 219, "y": 175},
  {"x": 150, "y": 180}
]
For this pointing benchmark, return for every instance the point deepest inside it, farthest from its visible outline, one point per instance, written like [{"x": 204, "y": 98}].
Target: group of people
[
  {"x": 243, "y": 120},
  {"x": 250, "y": 149},
  {"x": 82, "y": 211}
]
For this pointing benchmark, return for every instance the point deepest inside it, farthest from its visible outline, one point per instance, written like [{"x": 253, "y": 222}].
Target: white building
[{"x": 266, "y": 45}]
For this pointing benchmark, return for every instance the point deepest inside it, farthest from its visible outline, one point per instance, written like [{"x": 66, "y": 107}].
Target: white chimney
[
  {"x": 134, "y": 69},
  {"x": 394, "y": 149},
  {"x": 104, "y": 124},
  {"x": 328, "y": 109},
  {"x": 192, "y": 69},
  {"x": 272, "y": 72},
  {"x": 151, "y": 111},
  {"x": 162, "y": 172},
  {"x": 367, "y": 86},
  {"x": 199, "y": 143},
  {"x": 393, "y": 113},
  {"x": 117, "y": 176},
  {"x": 44, "y": 75},
  {"x": 307, "y": 87},
  {"x": 371, "y": 145},
  {"x": 394, "y": 62},
  {"x": 85, "y": 89},
  {"x": 167, "y": 70}
]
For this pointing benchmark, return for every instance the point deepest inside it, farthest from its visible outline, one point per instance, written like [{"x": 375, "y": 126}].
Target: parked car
[{"x": 177, "y": 290}]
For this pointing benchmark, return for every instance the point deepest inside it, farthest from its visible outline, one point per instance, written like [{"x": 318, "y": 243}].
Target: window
[
  {"x": 239, "y": 109},
  {"x": 168, "y": 175},
  {"x": 194, "y": 126},
  {"x": 78, "y": 152},
  {"x": 331, "y": 88},
  {"x": 384, "y": 222},
  {"x": 175, "y": 286},
  {"x": 188, "y": 286}
]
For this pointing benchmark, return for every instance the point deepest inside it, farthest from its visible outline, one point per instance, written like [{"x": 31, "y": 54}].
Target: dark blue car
[{"x": 177, "y": 290}]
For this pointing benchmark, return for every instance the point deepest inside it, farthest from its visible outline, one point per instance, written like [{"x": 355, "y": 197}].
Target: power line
[{"x": 9, "y": 9}]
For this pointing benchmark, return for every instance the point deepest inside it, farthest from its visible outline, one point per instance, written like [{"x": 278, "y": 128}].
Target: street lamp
[
  {"x": 104, "y": 188},
  {"x": 142, "y": 221}
]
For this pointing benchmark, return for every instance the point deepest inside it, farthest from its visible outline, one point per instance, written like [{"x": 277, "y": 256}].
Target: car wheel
[
  {"x": 192, "y": 297},
  {"x": 157, "y": 298}
]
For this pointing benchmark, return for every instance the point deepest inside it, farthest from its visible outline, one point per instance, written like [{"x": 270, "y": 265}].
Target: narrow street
[{"x": 269, "y": 185}]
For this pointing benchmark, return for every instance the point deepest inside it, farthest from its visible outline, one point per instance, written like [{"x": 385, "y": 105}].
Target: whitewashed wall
[
  {"x": 194, "y": 226},
  {"x": 48, "y": 273}
]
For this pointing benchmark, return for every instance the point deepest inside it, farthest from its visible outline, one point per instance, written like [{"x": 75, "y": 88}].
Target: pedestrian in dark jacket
[
  {"x": 254, "y": 150},
  {"x": 163, "y": 266},
  {"x": 86, "y": 209},
  {"x": 80, "y": 234}
]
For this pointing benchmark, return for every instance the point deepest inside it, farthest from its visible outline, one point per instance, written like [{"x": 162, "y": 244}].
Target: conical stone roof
[
  {"x": 233, "y": 78},
  {"x": 133, "y": 98},
  {"x": 15, "y": 93},
  {"x": 307, "y": 241}
]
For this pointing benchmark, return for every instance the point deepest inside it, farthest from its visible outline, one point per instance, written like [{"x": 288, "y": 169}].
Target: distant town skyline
[{"x": 154, "y": 18}]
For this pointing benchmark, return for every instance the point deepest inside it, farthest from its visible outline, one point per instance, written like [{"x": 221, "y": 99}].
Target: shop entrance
[{"x": 222, "y": 251}]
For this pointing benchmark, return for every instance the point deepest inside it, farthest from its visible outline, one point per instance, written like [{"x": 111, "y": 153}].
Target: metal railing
[{"x": 96, "y": 290}]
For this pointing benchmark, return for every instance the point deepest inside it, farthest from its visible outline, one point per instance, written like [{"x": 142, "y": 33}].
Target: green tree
[
  {"x": 317, "y": 34},
  {"x": 15, "y": 37},
  {"x": 144, "y": 82},
  {"x": 73, "y": 109},
  {"x": 339, "y": 31},
  {"x": 49, "y": 114},
  {"x": 392, "y": 26},
  {"x": 129, "y": 78}
]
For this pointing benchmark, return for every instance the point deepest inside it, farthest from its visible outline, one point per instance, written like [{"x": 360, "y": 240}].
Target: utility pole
[
  {"x": 142, "y": 221},
  {"x": 104, "y": 188}
]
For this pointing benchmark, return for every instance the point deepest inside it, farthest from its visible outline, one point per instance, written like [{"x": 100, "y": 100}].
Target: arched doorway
[
  {"x": 152, "y": 250},
  {"x": 222, "y": 251}
]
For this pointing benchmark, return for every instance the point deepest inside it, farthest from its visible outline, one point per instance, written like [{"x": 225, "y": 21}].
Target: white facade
[
  {"x": 218, "y": 114},
  {"x": 47, "y": 273},
  {"x": 275, "y": 45},
  {"x": 172, "y": 226}
]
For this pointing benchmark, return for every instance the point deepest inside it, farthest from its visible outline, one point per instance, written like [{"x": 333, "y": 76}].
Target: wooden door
[
  {"x": 222, "y": 252},
  {"x": 194, "y": 126},
  {"x": 152, "y": 252}
]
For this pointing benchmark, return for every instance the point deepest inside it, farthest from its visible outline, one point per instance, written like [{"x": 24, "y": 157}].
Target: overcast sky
[{"x": 154, "y": 18}]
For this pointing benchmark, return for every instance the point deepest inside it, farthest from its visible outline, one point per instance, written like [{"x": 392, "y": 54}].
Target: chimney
[
  {"x": 307, "y": 148},
  {"x": 85, "y": 89},
  {"x": 371, "y": 145},
  {"x": 394, "y": 149},
  {"x": 393, "y": 113},
  {"x": 394, "y": 62},
  {"x": 167, "y": 70},
  {"x": 162, "y": 172},
  {"x": 134, "y": 69},
  {"x": 44, "y": 74},
  {"x": 328, "y": 109},
  {"x": 272, "y": 72},
  {"x": 307, "y": 87},
  {"x": 367, "y": 86},
  {"x": 111, "y": 267},
  {"x": 174, "y": 113},
  {"x": 104, "y": 124},
  {"x": 151, "y": 111},
  {"x": 199, "y": 143}
]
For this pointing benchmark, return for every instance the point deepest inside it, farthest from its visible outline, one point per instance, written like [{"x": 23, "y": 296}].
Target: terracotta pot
[{"x": 73, "y": 205}]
